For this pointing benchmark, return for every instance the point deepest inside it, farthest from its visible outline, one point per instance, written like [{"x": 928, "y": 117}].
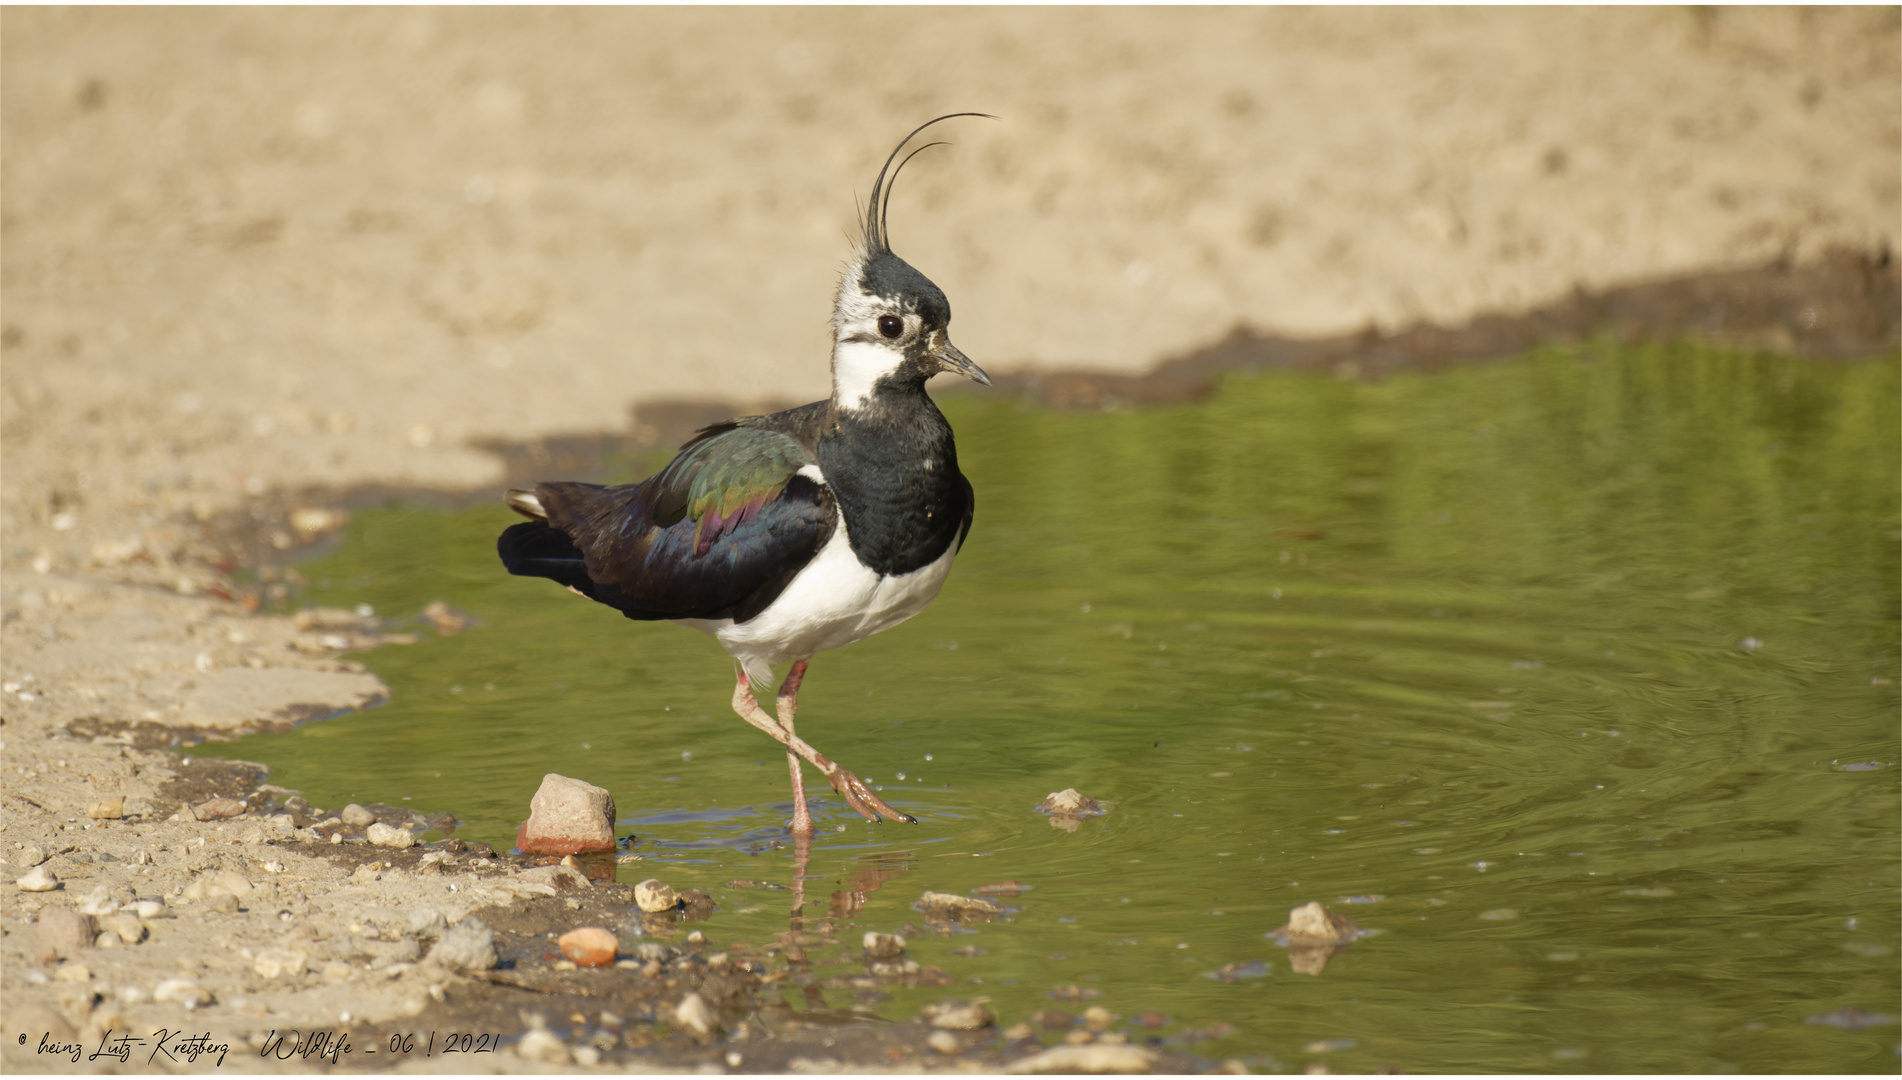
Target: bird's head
[{"x": 890, "y": 323}]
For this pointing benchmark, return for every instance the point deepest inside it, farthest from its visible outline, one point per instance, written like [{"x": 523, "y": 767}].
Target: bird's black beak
[{"x": 950, "y": 359}]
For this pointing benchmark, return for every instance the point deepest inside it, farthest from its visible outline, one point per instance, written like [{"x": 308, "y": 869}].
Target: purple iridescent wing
[{"x": 716, "y": 534}]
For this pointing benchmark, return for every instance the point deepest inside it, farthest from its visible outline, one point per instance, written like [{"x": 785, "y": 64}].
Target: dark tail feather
[{"x": 534, "y": 549}]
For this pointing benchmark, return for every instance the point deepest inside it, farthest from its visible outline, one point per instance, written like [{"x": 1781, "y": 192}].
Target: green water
[{"x": 1572, "y": 677}]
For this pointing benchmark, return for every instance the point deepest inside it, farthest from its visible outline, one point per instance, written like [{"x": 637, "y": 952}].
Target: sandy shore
[{"x": 252, "y": 256}]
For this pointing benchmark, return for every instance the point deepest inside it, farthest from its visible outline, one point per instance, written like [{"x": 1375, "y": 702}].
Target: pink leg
[
  {"x": 857, "y": 795},
  {"x": 787, "y": 705}
]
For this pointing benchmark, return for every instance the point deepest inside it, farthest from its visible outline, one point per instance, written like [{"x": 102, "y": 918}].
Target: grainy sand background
[
  {"x": 287, "y": 246},
  {"x": 252, "y": 250}
]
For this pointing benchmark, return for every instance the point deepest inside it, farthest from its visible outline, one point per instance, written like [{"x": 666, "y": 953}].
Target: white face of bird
[{"x": 890, "y": 328}]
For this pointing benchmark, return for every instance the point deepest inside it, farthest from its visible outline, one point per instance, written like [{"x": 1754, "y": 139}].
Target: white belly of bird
[{"x": 835, "y": 601}]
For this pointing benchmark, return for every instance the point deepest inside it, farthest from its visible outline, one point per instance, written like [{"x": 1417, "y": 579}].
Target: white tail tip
[{"x": 526, "y": 504}]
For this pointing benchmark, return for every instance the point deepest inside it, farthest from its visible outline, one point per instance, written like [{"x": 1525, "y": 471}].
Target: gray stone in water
[
  {"x": 356, "y": 815},
  {"x": 469, "y": 945}
]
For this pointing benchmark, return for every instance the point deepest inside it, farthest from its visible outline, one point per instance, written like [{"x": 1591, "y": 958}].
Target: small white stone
[
  {"x": 98, "y": 902},
  {"x": 389, "y": 836},
  {"x": 38, "y": 879},
  {"x": 184, "y": 991},
  {"x": 883, "y": 946},
  {"x": 279, "y": 963},
  {"x": 655, "y": 896},
  {"x": 539, "y": 1044},
  {"x": 693, "y": 1014},
  {"x": 944, "y": 1042}
]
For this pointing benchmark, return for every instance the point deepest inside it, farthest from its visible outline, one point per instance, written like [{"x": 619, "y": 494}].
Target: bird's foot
[{"x": 859, "y": 797}]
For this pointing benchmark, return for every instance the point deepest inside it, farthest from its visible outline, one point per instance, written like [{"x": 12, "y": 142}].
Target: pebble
[
  {"x": 147, "y": 909},
  {"x": 559, "y": 878},
  {"x": 30, "y": 856},
  {"x": 1070, "y": 801},
  {"x": 390, "y": 836},
  {"x": 62, "y": 932},
  {"x": 944, "y": 1042},
  {"x": 184, "y": 991},
  {"x": 539, "y": 1044},
  {"x": 468, "y": 945},
  {"x": 279, "y": 963},
  {"x": 428, "y": 922},
  {"x": 567, "y": 817},
  {"x": 1094, "y": 1058},
  {"x": 99, "y": 902},
  {"x": 1097, "y": 1018},
  {"x": 959, "y": 1015},
  {"x": 1313, "y": 922},
  {"x": 38, "y": 879},
  {"x": 73, "y": 973},
  {"x": 215, "y": 883},
  {"x": 590, "y": 946},
  {"x": 215, "y": 809},
  {"x": 356, "y": 815},
  {"x": 126, "y": 925},
  {"x": 654, "y": 896},
  {"x": 883, "y": 946},
  {"x": 444, "y": 619},
  {"x": 956, "y": 906},
  {"x": 107, "y": 809},
  {"x": 693, "y": 1014}
]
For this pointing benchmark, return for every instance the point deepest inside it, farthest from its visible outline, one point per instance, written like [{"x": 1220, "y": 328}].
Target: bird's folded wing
[{"x": 716, "y": 534}]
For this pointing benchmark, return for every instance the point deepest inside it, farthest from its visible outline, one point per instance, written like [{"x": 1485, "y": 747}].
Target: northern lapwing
[{"x": 789, "y": 534}]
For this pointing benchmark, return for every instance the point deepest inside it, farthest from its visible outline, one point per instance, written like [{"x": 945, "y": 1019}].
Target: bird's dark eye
[{"x": 891, "y": 325}]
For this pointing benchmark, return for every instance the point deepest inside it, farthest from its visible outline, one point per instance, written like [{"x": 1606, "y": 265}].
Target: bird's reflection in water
[{"x": 862, "y": 877}]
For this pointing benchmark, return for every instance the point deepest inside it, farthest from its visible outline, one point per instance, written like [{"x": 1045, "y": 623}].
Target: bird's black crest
[{"x": 877, "y": 238}]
